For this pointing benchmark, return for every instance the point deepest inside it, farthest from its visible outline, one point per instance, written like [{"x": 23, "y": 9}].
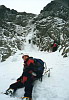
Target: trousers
[{"x": 28, "y": 87}]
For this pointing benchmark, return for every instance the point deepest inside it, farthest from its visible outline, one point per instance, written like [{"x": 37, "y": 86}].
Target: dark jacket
[{"x": 28, "y": 69}]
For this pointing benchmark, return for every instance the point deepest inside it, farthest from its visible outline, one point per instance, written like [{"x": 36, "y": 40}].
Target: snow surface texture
[{"x": 55, "y": 87}]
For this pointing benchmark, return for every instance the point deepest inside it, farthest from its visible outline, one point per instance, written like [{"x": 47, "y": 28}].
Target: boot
[
  {"x": 26, "y": 98},
  {"x": 9, "y": 91}
]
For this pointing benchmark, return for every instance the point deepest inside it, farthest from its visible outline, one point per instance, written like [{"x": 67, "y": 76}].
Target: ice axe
[{"x": 48, "y": 71}]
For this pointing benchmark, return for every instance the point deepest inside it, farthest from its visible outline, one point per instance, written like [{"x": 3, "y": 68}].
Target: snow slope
[{"x": 55, "y": 87}]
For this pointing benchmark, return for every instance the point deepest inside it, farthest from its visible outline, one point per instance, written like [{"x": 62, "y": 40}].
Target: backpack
[{"x": 38, "y": 67}]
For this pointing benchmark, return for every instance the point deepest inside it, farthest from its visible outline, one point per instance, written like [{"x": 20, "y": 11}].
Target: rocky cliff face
[
  {"x": 63, "y": 2},
  {"x": 51, "y": 24},
  {"x": 13, "y": 28}
]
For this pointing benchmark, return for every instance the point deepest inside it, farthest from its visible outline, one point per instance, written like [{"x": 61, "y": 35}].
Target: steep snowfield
[{"x": 55, "y": 87}]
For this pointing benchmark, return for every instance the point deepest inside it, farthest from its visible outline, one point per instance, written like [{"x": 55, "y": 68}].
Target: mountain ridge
[{"x": 51, "y": 24}]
